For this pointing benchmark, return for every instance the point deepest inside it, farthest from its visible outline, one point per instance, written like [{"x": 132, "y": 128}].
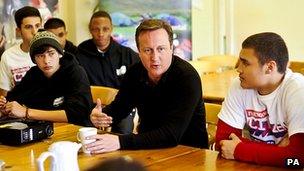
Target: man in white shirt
[
  {"x": 16, "y": 61},
  {"x": 267, "y": 100}
]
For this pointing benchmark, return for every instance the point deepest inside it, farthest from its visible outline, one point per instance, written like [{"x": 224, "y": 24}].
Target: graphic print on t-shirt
[
  {"x": 19, "y": 73},
  {"x": 262, "y": 130}
]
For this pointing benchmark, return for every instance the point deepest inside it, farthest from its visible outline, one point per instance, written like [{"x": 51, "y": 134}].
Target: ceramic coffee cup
[{"x": 83, "y": 133}]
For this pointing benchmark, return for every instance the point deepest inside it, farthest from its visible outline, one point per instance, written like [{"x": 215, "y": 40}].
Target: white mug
[
  {"x": 63, "y": 154},
  {"x": 83, "y": 133}
]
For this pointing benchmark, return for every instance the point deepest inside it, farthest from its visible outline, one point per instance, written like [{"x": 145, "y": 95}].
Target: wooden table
[
  {"x": 216, "y": 85},
  {"x": 176, "y": 158},
  {"x": 207, "y": 160}
]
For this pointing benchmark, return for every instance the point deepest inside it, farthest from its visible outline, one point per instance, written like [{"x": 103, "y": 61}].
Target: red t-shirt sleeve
[
  {"x": 274, "y": 155},
  {"x": 262, "y": 153}
]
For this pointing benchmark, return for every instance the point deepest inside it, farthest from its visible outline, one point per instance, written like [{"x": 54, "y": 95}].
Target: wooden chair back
[
  {"x": 212, "y": 111},
  {"x": 216, "y": 63},
  {"x": 297, "y": 66},
  {"x": 222, "y": 61},
  {"x": 106, "y": 94},
  {"x": 204, "y": 67}
]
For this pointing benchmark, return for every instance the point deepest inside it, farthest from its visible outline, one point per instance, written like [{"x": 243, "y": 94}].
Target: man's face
[
  {"x": 252, "y": 75},
  {"x": 61, "y": 33},
  {"x": 101, "y": 30},
  {"x": 48, "y": 62},
  {"x": 29, "y": 28},
  {"x": 155, "y": 52}
]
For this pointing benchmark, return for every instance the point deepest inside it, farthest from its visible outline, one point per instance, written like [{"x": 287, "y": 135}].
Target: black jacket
[
  {"x": 171, "y": 112},
  {"x": 103, "y": 68},
  {"x": 68, "y": 89},
  {"x": 70, "y": 47}
]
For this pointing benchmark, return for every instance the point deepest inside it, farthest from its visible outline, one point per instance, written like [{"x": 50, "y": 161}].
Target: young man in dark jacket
[
  {"x": 106, "y": 61},
  {"x": 56, "y": 89},
  {"x": 57, "y": 26}
]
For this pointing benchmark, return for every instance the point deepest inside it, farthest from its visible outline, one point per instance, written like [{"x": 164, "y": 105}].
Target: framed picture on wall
[{"x": 127, "y": 14}]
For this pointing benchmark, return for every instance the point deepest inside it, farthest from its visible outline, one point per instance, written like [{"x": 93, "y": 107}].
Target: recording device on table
[{"x": 15, "y": 131}]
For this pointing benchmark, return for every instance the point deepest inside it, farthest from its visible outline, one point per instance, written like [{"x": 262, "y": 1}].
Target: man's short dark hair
[
  {"x": 269, "y": 46},
  {"x": 153, "y": 24},
  {"x": 102, "y": 14},
  {"x": 54, "y": 23},
  {"x": 24, "y": 12}
]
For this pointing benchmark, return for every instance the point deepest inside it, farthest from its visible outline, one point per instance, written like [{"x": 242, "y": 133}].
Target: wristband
[{"x": 27, "y": 116}]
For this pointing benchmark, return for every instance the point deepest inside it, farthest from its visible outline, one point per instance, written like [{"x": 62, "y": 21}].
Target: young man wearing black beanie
[{"x": 56, "y": 89}]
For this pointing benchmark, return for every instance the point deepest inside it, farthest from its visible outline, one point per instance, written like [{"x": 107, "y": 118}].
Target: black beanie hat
[{"x": 43, "y": 38}]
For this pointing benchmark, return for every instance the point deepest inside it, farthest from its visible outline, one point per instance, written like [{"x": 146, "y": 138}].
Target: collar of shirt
[{"x": 101, "y": 52}]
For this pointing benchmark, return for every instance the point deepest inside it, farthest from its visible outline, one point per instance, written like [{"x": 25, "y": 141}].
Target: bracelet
[{"x": 27, "y": 115}]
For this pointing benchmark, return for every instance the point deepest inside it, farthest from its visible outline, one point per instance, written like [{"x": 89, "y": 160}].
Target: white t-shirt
[
  {"x": 13, "y": 66},
  {"x": 270, "y": 117}
]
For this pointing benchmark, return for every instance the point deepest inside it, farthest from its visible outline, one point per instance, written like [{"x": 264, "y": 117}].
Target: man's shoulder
[
  {"x": 14, "y": 55},
  {"x": 85, "y": 42},
  {"x": 122, "y": 53},
  {"x": 33, "y": 72},
  {"x": 86, "y": 45},
  {"x": 181, "y": 66},
  {"x": 86, "y": 49},
  {"x": 137, "y": 67},
  {"x": 293, "y": 81},
  {"x": 135, "y": 70},
  {"x": 13, "y": 51},
  {"x": 14, "y": 47},
  {"x": 69, "y": 45}
]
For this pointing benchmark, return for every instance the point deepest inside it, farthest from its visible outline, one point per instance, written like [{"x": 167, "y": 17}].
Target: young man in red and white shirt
[
  {"x": 267, "y": 99},
  {"x": 16, "y": 61}
]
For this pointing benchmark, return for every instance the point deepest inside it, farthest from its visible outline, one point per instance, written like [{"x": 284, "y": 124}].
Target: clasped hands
[{"x": 12, "y": 109}]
